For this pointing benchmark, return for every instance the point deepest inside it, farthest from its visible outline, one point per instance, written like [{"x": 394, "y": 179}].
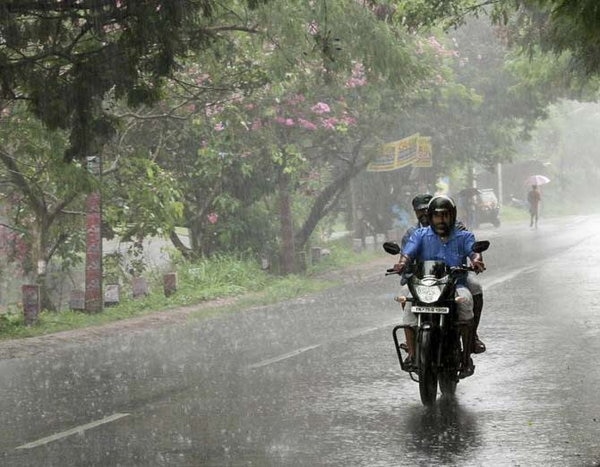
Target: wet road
[{"x": 316, "y": 381}]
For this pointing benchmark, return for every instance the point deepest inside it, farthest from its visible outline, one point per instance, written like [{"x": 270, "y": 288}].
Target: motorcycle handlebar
[{"x": 391, "y": 271}]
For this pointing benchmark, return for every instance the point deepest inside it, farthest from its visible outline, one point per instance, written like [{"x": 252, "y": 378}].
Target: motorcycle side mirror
[
  {"x": 480, "y": 246},
  {"x": 392, "y": 248}
]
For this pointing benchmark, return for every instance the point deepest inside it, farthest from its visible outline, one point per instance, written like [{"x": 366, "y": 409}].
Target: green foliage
[
  {"x": 41, "y": 194},
  {"x": 423, "y": 14},
  {"x": 224, "y": 276},
  {"x": 565, "y": 25},
  {"x": 11, "y": 321},
  {"x": 64, "y": 57},
  {"x": 142, "y": 199}
]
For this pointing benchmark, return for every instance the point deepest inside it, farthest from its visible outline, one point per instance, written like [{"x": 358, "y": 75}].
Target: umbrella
[{"x": 537, "y": 180}]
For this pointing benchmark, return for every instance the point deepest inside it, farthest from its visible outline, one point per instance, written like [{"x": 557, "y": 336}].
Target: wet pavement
[{"x": 316, "y": 381}]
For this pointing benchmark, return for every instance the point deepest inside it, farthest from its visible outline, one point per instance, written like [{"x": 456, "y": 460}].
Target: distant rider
[{"x": 441, "y": 240}]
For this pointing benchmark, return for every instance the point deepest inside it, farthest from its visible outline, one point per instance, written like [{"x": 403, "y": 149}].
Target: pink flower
[
  {"x": 219, "y": 126},
  {"x": 329, "y": 123},
  {"x": 320, "y": 108},
  {"x": 285, "y": 121},
  {"x": 213, "y": 217},
  {"x": 358, "y": 76},
  {"x": 306, "y": 124},
  {"x": 356, "y": 82}
]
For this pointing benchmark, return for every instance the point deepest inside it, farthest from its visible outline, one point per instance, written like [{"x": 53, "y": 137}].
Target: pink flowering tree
[
  {"x": 314, "y": 143},
  {"x": 286, "y": 151},
  {"x": 285, "y": 127}
]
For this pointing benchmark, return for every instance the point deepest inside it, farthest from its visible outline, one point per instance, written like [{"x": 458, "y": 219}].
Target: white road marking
[
  {"x": 492, "y": 283},
  {"x": 511, "y": 275},
  {"x": 79, "y": 429},
  {"x": 284, "y": 356},
  {"x": 296, "y": 352}
]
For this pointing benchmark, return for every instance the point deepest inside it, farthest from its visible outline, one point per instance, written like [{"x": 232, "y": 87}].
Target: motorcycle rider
[
  {"x": 442, "y": 240},
  {"x": 420, "y": 203}
]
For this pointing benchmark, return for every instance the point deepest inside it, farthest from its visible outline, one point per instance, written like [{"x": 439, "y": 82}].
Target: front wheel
[
  {"x": 449, "y": 375},
  {"x": 428, "y": 378}
]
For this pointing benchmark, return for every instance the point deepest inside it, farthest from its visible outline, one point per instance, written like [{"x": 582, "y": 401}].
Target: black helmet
[
  {"x": 442, "y": 203},
  {"x": 421, "y": 201}
]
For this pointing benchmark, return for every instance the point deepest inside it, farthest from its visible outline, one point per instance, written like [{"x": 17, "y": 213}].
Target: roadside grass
[
  {"x": 548, "y": 209},
  {"x": 513, "y": 214},
  {"x": 241, "y": 280}
]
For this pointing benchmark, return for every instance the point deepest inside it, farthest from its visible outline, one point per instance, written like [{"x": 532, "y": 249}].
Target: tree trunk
[
  {"x": 38, "y": 260},
  {"x": 179, "y": 245},
  {"x": 288, "y": 252},
  {"x": 45, "y": 299},
  {"x": 326, "y": 200}
]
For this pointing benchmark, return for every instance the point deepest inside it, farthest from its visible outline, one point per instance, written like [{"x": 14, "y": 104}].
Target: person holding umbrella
[{"x": 534, "y": 198}]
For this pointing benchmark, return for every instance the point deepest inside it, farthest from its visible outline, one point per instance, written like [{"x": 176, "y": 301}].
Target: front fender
[{"x": 427, "y": 344}]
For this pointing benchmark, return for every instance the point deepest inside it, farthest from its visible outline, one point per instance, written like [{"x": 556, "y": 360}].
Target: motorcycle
[{"x": 438, "y": 350}]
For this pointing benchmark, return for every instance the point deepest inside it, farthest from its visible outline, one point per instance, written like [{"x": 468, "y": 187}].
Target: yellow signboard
[{"x": 413, "y": 150}]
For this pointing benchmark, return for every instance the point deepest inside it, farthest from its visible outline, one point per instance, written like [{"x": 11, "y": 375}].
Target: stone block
[
  {"x": 31, "y": 303},
  {"x": 112, "y": 294},
  {"x": 140, "y": 287},
  {"x": 77, "y": 300},
  {"x": 170, "y": 283}
]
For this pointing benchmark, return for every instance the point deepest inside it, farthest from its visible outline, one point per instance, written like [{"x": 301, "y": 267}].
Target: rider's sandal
[
  {"x": 467, "y": 371},
  {"x": 409, "y": 364},
  {"x": 478, "y": 346}
]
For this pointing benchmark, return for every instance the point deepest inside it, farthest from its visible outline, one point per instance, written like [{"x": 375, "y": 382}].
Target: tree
[
  {"x": 237, "y": 146},
  {"x": 42, "y": 196},
  {"x": 561, "y": 26},
  {"x": 63, "y": 57},
  {"x": 311, "y": 55}
]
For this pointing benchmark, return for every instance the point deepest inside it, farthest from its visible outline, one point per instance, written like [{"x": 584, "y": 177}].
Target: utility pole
[{"x": 500, "y": 190}]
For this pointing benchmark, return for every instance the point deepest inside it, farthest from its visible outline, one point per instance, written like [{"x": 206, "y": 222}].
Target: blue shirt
[
  {"x": 424, "y": 245},
  {"x": 408, "y": 233}
]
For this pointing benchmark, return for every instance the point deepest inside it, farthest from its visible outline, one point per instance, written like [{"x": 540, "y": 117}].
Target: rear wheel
[
  {"x": 448, "y": 380},
  {"x": 428, "y": 378}
]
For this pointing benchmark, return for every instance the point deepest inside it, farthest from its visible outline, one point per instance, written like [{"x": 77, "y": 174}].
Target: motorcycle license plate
[{"x": 442, "y": 310}]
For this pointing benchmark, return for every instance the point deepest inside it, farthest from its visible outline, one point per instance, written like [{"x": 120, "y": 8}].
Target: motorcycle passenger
[
  {"x": 441, "y": 240},
  {"x": 419, "y": 204}
]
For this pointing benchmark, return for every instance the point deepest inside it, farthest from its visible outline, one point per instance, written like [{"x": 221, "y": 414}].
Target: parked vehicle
[
  {"x": 439, "y": 351},
  {"x": 488, "y": 208}
]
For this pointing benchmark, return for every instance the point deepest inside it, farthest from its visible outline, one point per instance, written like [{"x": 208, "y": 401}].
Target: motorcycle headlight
[{"x": 428, "y": 293}]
